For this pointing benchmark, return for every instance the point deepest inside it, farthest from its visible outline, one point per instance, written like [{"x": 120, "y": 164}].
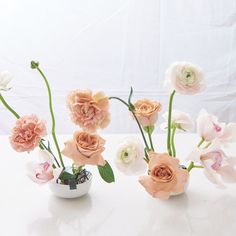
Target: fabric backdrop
[{"x": 111, "y": 45}]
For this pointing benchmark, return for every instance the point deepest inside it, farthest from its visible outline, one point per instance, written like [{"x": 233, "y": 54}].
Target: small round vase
[{"x": 64, "y": 191}]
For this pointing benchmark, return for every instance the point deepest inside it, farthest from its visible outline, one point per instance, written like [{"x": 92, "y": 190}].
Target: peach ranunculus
[
  {"x": 185, "y": 78},
  {"x": 27, "y": 133},
  {"x": 146, "y": 111},
  {"x": 165, "y": 176},
  {"x": 85, "y": 148},
  {"x": 89, "y": 111}
]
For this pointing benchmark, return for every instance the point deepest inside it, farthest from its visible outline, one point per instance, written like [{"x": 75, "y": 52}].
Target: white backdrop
[{"x": 112, "y": 44}]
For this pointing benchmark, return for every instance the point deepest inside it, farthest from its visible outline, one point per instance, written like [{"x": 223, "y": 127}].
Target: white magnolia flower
[
  {"x": 185, "y": 78},
  {"x": 129, "y": 158},
  {"x": 5, "y": 79},
  {"x": 218, "y": 167},
  {"x": 181, "y": 120}
]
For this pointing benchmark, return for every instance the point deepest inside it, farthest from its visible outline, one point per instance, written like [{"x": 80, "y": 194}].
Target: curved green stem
[
  {"x": 150, "y": 140},
  {"x": 173, "y": 142},
  {"x": 52, "y": 115},
  {"x": 140, "y": 127},
  {"x": 8, "y": 107},
  {"x": 169, "y": 123}
]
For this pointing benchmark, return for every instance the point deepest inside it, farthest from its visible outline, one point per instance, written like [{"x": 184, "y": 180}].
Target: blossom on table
[
  {"x": 27, "y": 133},
  {"x": 85, "y": 149},
  {"x": 218, "y": 167},
  {"x": 130, "y": 157},
  {"x": 5, "y": 79},
  {"x": 43, "y": 172},
  {"x": 185, "y": 78},
  {"x": 147, "y": 111},
  {"x": 208, "y": 126},
  {"x": 165, "y": 176},
  {"x": 180, "y": 120},
  {"x": 89, "y": 111}
]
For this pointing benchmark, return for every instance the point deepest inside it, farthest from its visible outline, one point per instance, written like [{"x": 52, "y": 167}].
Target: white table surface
[{"x": 119, "y": 209}]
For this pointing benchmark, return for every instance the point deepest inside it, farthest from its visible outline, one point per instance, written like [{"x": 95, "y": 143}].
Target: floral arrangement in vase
[
  {"x": 166, "y": 176},
  {"x": 90, "y": 112}
]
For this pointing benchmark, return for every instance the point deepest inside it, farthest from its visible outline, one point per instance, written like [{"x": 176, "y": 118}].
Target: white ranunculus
[
  {"x": 129, "y": 157},
  {"x": 181, "y": 120},
  {"x": 185, "y": 78},
  {"x": 5, "y": 79}
]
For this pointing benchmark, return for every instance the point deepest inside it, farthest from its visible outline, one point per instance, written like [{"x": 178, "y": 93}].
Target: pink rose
[
  {"x": 185, "y": 78},
  {"x": 166, "y": 176},
  {"x": 146, "y": 112},
  {"x": 89, "y": 111},
  {"x": 85, "y": 148},
  {"x": 27, "y": 133}
]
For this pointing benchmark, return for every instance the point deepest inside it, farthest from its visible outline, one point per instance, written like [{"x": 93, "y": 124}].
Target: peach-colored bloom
[
  {"x": 27, "y": 133},
  {"x": 185, "y": 78},
  {"x": 89, "y": 111},
  {"x": 85, "y": 148},
  {"x": 146, "y": 112},
  {"x": 166, "y": 176}
]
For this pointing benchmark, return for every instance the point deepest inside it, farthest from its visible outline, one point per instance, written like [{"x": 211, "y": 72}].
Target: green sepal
[
  {"x": 34, "y": 64},
  {"x": 149, "y": 129},
  {"x": 131, "y": 106},
  {"x": 106, "y": 173}
]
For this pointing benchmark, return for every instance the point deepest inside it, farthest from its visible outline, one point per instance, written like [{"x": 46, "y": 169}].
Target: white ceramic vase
[{"x": 64, "y": 191}]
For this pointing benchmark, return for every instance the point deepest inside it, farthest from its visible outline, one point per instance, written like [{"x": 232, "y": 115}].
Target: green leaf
[
  {"x": 66, "y": 175},
  {"x": 131, "y": 106},
  {"x": 106, "y": 173}
]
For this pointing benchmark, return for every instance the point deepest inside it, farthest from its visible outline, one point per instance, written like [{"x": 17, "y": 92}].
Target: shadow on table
[{"x": 68, "y": 212}]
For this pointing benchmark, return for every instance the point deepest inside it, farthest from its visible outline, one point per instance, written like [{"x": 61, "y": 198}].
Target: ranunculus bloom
[
  {"x": 129, "y": 157},
  {"x": 146, "y": 112},
  {"x": 27, "y": 133},
  {"x": 43, "y": 172},
  {"x": 179, "y": 119},
  {"x": 218, "y": 167},
  {"x": 185, "y": 78},
  {"x": 5, "y": 79},
  {"x": 85, "y": 148},
  {"x": 166, "y": 176},
  {"x": 89, "y": 111},
  {"x": 208, "y": 126}
]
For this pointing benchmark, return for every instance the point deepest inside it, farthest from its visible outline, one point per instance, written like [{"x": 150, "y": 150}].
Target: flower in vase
[
  {"x": 129, "y": 157},
  {"x": 218, "y": 167},
  {"x": 185, "y": 78},
  {"x": 89, "y": 111},
  {"x": 180, "y": 120},
  {"x": 5, "y": 79},
  {"x": 27, "y": 133},
  {"x": 208, "y": 126},
  {"x": 85, "y": 148},
  {"x": 43, "y": 172},
  {"x": 146, "y": 111},
  {"x": 165, "y": 176}
]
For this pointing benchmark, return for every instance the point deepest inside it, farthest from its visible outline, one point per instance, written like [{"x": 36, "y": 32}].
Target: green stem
[
  {"x": 52, "y": 116},
  {"x": 8, "y": 107},
  {"x": 140, "y": 127},
  {"x": 150, "y": 139},
  {"x": 173, "y": 142},
  {"x": 169, "y": 123}
]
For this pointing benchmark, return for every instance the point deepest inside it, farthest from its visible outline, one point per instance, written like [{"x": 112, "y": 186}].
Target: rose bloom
[
  {"x": 185, "y": 78},
  {"x": 5, "y": 79},
  {"x": 165, "y": 176},
  {"x": 27, "y": 133},
  {"x": 89, "y": 111},
  {"x": 129, "y": 158},
  {"x": 181, "y": 120},
  {"x": 85, "y": 148},
  {"x": 218, "y": 167},
  {"x": 43, "y": 172},
  {"x": 146, "y": 112}
]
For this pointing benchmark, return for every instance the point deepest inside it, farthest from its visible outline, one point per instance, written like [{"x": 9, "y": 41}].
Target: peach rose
[
  {"x": 146, "y": 112},
  {"x": 89, "y": 111},
  {"x": 85, "y": 148},
  {"x": 27, "y": 133},
  {"x": 165, "y": 176}
]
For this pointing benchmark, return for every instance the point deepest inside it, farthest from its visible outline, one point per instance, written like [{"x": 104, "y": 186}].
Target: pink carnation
[{"x": 27, "y": 133}]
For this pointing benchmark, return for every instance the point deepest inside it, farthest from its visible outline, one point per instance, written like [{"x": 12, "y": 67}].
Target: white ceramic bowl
[{"x": 64, "y": 191}]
